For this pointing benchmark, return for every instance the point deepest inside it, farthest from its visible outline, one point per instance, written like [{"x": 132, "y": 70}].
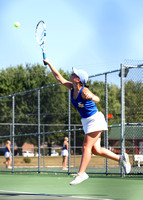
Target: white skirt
[
  {"x": 94, "y": 123},
  {"x": 7, "y": 154},
  {"x": 64, "y": 152}
]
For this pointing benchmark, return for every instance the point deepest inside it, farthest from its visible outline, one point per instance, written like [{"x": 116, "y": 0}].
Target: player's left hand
[{"x": 87, "y": 94}]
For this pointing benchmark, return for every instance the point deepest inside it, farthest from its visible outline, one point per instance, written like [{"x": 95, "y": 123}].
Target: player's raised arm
[{"x": 58, "y": 76}]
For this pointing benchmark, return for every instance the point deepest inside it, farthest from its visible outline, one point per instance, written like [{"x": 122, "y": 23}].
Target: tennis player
[
  {"x": 8, "y": 155},
  {"x": 92, "y": 120},
  {"x": 65, "y": 153}
]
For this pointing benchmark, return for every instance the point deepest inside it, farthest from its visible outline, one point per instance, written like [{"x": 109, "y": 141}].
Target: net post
[
  {"x": 106, "y": 116},
  {"x": 38, "y": 93},
  {"x": 122, "y": 113}
]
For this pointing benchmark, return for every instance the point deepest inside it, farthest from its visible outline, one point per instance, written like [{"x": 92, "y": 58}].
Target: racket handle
[{"x": 44, "y": 56}]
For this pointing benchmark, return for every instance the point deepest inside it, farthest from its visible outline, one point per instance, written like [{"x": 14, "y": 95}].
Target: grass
[
  {"x": 54, "y": 164},
  {"x": 57, "y": 161}
]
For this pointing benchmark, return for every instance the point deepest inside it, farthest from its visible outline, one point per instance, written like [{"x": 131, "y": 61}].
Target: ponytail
[{"x": 85, "y": 85}]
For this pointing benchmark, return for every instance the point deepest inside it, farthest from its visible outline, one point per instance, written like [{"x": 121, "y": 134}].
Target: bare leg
[
  {"x": 10, "y": 161},
  {"x": 92, "y": 143},
  {"x": 6, "y": 162},
  {"x": 66, "y": 159},
  {"x": 64, "y": 164},
  {"x": 89, "y": 140},
  {"x": 98, "y": 150}
]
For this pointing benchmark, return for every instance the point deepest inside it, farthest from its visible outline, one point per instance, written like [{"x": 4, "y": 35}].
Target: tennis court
[{"x": 56, "y": 187}]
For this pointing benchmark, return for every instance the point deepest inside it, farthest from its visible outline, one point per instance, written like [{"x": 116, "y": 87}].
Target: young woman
[
  {"x": 65, "y": 153},
  {"x": 92, "y": 120},
  {"x": 7, "y": 155}
]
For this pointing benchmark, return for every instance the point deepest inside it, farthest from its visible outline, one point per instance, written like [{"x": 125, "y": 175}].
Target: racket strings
[{"x": 40, "y": 34}]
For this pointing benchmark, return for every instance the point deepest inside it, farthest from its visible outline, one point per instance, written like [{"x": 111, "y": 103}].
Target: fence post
[
  {"x": 38, "y": 130},
  {"x": 122, "y": 113},
  {"x": 74, "y": 144},
  {"x": 13, "y": 114},
  {"x": 43, "y": 146},
  {"x": 106, "y": 116},
  {"x": 69, "y": 127}
]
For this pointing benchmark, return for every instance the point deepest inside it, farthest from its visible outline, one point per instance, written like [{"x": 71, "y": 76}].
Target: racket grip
[{"x": 44, "y": 56}]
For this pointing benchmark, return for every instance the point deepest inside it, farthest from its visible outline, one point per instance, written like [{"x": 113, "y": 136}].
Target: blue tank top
[
  {"x": 6, "y": 149},
  {"x": 65, "y": 147},
  {"x": 86, "y": 108}
]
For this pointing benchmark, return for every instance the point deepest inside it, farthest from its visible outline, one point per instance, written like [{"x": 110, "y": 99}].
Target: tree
[
  {"x": 133, "y": 101},
  {"x": 54, "y": 103}
]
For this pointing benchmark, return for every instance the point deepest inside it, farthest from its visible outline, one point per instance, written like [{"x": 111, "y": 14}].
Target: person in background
[
  {"x": 8, "y": 155},
  {"x": 65, "y": 153}
]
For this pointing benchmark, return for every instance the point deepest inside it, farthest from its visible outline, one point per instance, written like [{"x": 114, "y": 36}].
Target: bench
[{"x": 138, "y": 159}]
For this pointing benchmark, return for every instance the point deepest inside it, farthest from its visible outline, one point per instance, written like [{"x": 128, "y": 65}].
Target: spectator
[
  {"x": 8, "y": 155},
  {"x": 65, "y": 153}
]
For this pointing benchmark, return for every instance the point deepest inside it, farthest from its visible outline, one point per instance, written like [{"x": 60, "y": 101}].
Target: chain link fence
[
  {"x": 134, "y": 113},
  {"x": 37, "y": 145}
]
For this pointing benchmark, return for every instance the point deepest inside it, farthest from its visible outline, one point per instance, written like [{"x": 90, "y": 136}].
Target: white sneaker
[
  {"x": 125, "y": 163},
  {"x": 80, "y": 177},
  {"x": 9, "y": 167},
  {"x": 65, "y": 168}
]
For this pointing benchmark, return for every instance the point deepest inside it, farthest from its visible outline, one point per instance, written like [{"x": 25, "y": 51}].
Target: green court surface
[{"x": 56, "y": 187}]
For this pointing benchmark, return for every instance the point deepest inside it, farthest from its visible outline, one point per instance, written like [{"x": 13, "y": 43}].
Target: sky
[{"x": 93, "y": 35}]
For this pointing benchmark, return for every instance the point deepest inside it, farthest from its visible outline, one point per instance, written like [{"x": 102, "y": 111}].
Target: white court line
[
  {"x": 52, "y": 195},
  {"x": 89, "y": 198}
]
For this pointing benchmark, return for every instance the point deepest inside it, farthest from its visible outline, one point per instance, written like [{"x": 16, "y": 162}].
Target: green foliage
[
  {"x": 54, "y": 103},
  {"x": 134, "y": 101},
  {"x": 27, "y": 160}
]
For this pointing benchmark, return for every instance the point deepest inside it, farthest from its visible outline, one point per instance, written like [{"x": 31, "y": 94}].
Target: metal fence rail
[{"x": 122, "y": 128}]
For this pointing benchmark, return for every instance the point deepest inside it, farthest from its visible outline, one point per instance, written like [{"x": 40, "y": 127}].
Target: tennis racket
[{"x": 40, "y": 34}]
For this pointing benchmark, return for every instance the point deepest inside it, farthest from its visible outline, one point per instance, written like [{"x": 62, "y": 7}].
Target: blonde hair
[
  {"x": 66, "y": 138},
  {"x": 8, "y": 142}
]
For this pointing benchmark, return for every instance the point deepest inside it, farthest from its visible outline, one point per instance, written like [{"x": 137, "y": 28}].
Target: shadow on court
[
  {"x": 56, "y": 187},
  {"x": 26, "y": 196}
]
